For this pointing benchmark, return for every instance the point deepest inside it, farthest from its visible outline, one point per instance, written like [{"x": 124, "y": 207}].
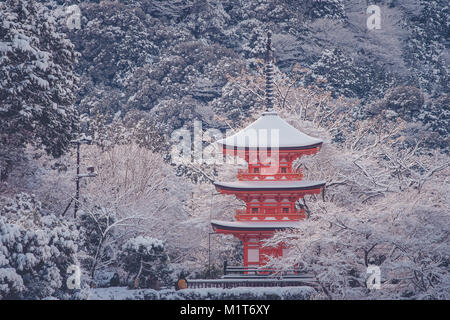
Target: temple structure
[{"x": 270, "y": 186}]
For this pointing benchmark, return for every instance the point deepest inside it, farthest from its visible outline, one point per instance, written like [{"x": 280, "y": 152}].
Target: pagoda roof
[
  {"x": 254, "y": 225},
  {"x": 269, "y": 185},
  {"x": 289, "y": 137}
]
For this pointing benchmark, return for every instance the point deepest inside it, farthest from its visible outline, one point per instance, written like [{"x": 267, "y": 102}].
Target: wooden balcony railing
[
  {"x": 244, "y": 175},
  {"x": 240, "y": 276},
  {"x": 235, "y": 271},
  {"x": 270, "y": 214},
  {"x": 249, "y": 282}
]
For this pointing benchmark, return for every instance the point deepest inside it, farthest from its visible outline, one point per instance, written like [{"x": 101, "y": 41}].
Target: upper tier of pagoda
[
  {"x": 274, "y": 171},
  {"x": 269, "y": 146},
  {"x": 271, "y": 185},
  {"x": 270, "y": 131}
]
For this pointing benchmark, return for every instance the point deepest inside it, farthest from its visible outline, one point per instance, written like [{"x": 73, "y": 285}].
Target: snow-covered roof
[
  {"x": 259, "y": 133},
  {"x": 270, "y": 185},
  {"x": 254, "y": 225}
]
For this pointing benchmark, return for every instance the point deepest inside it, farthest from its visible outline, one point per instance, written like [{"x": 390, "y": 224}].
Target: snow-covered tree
[
  {"x": 384, "y": 205},
  {"x": 134, "y": 193},
  {"x": 425, "y": 49},
  {"x": 36, "y": 250},
  {"x": 428, "y": 119},
  {"x": 146, "y": 261},
  {"x": 37, "y": 85},
  {"x": 330, "y": 9},
  {"x": 341, "y": 74},
  {"x": 98, "y": 229}
]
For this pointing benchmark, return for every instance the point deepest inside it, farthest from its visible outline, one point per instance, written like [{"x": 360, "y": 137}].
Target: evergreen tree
[
  {"x": 36, "y": 250},
  {"x": 145, "y": 259},
  {"x": 37, "y": 83}
]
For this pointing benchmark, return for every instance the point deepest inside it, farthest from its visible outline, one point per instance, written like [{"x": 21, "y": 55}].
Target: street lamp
[
  {"x": 90, "y": 174},
  {"x": 209, "y": 252},
  {"x": 210, "y": 233}
]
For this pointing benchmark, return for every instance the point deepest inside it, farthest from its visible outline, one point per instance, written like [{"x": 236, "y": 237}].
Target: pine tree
[
  {"x": 37, "y": 83},
  {"x": 145, "y": 259},
  {"x": 36, "y": 250}
]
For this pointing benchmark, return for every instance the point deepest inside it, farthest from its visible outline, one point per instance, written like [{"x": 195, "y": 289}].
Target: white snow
[
  {"x": 4, "y": 47},
  {"x": 241, "y": 293},
  {"x": 147, "y": 243},
  {"x": 257, "y": 224},
  {"x": 264, "y": 131},
  {"x": 270, "y": 184},
  {"x": 22, "y": 43}
]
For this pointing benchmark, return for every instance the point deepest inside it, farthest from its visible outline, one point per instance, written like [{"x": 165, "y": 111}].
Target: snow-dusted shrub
[
  {"x": 118, "y": 293},
  {"x": 150, "y": 294},
  {"x": 103, "y": 278},
  {"x": 145, "y": 259},
  {"x": 36, "y": 250},
  {"x": 242, "y": 293},
  {"x": 98, "y": 235},
  {"x": 11, "y": 284}
]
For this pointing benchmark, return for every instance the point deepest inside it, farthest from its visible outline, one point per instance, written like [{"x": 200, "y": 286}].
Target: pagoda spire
[{"x": 269, "y": 72}]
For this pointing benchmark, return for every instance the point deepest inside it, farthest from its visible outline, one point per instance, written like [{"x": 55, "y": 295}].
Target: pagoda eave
[
  {"x": 251, "y": 227},
  {"x": 313, "y": 147},
  {"x": 263, "y": 186}
]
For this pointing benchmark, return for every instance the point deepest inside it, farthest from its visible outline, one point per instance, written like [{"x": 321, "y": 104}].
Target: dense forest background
[
  {"x": 147, "y": 59},
  {"x": 136, "y": 70}
]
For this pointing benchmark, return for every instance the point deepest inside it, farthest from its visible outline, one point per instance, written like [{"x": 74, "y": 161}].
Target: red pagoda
[{"x": 270, "y": 186}]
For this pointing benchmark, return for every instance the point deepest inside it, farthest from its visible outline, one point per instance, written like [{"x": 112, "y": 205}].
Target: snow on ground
[{"x": 242, "y": 293}]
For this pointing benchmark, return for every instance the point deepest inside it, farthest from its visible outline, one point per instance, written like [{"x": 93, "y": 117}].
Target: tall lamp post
[
  {"x": 91, "y": 173},
  {"x": 209, "y": 252},
  {"x": 210, "y": 233}
]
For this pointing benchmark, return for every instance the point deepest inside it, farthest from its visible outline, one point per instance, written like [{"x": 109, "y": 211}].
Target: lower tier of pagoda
[
  {"x": 253, "y": 234},
  {"x": 270, "y": 207}
]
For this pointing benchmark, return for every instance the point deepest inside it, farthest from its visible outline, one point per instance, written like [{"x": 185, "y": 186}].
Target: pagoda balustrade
[
  {"x": 276, "y": 214},
  {"x": 245, "y": 175}
]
